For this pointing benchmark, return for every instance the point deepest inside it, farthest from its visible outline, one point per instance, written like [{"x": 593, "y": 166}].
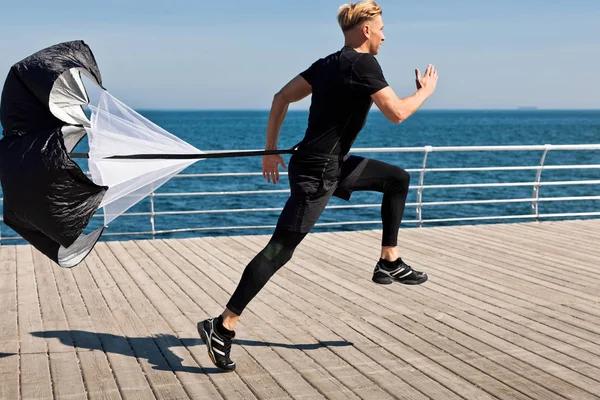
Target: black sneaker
[
  {"x": 218, "y": 345},
  {"x": 397, "y": 271}
]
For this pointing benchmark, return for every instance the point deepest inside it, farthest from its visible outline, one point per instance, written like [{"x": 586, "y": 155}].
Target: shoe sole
[
  {"x": 383, "y": 281},
  {"x": 204, "y": 337},
  {"x": 391, "y": 280}
]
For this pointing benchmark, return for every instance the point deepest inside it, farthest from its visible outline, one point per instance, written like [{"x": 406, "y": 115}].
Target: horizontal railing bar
[
  {"x": 221, "y": 193},
  {"x": 525, "y": 216},
  {"x": 227, "y": 210},
  {"x": 573, "y": 198},
  {"x": 516, "y": 168},
  {"x": 500, "y": 201},
  {"x": 449, "y": 186},
  {"x": 469, "y": 202},
  {"x": 126, "y": 233},
  {"x": 246, "y": 174},
  {"x": 511, "y": 184},
  {"x": 554, "y": 147},
  {"x": 360, "y": 206},
  {"x": 581, "y": 214},
  {"x": 411, "y": 170}
]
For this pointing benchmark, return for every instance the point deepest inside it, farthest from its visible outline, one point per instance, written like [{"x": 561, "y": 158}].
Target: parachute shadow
[{"x": 156, "y": 349}]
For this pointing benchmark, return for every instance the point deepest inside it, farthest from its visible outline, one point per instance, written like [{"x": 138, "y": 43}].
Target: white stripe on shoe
[
  {"x": 405, "y": 275},
  {"x": 397, "y": 271},
  {"x": 214, "y": 337},
  {"x": 218, "y": 351}
]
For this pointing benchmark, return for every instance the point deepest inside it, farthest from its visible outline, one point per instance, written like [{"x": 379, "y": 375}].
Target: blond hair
[{"x": 351, "y": 15}]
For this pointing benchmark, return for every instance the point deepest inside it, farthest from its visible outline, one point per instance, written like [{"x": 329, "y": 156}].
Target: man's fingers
[{"x": 418, "y": 73}]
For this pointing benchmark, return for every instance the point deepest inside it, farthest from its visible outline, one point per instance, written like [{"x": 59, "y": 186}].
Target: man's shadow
[{"x": 156, "y": 349}]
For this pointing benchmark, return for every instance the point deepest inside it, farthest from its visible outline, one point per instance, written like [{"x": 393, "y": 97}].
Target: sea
[{"x": 245, "y": 130}]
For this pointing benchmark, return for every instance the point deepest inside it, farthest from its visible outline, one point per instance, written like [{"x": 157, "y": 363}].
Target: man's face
[{"x": 374, "y": 31}]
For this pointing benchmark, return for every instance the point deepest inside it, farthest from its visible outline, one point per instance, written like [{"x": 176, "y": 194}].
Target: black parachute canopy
[{"x": 48, "y": 199}]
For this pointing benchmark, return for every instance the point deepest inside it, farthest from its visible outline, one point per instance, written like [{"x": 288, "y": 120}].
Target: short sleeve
[
  {"x": 310, "y": 74},
  {"x": 367, "y": 76}
]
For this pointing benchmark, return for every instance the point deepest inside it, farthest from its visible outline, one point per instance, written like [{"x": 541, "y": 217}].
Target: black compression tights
[
  {"x": 393, "y": 182},
  {"x": 278, "y": 251},
  {"x": 377, "y": 176}
]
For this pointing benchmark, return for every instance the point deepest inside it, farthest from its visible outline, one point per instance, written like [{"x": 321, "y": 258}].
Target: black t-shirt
[{"x": 342, "y": 85}]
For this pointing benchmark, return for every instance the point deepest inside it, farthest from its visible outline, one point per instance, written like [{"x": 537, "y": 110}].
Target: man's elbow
[
  {"x": 402, "y": 113},
  {"x": 281, "y": 98},
  {"x": 399, "y": 117}
]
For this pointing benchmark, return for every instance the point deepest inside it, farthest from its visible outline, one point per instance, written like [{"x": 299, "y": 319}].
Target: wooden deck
[{"x": 510, "y": 311}]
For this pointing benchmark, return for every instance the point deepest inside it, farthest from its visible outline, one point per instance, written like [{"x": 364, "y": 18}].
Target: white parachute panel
[{"x": 116, "y": 129}]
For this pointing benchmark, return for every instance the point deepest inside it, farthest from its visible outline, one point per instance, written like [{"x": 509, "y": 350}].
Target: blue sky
[{"x": 237, "y": 54}]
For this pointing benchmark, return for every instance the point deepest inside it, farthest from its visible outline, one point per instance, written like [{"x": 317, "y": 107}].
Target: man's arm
[
  {"x": 297, "y": 89},
  {"x": 397, "y": 109}
]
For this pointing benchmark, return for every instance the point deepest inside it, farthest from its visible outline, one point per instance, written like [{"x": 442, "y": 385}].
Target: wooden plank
[
  {"x": 64, "y": 364},
  {"x": 302, "y": 367},
  {"x": 107, "y": 335},
  {"x": 545, "y": 245},
  {"x": 537, "y": 307},
  {"x": 303, "y": 277},
  {"x": 486, "y": 275},
  {"x": 519, "y": 255},
  {"x": 436, "y": 372},
  {"x": 348, "y": 289},
  {"x": 34, "y": 367},
  {"x": 587, "y": 384},
  {"x": 165, "y": 295},
  {"x": 325, "y": 356},
  {"x": 277, "y": 285},
  {"x": 570, "y": 384},
  {"x": 502, "y": 240},
  {"x": 134, "y": 314},
  {"x": 482, "y": 365},
  {"x": 253, "y": 362},
  {"x": 100, "y": 383},
  {"x": 9, "y": 336},
  {"x": 343, "y": 260},
  {"x": 320, "y": 328},
  {"x": 509, "y": 267},
  {"x": 520, "y": 292},
  {"x": 192, "y": 282},
  {"x": 304, "y": 307}
]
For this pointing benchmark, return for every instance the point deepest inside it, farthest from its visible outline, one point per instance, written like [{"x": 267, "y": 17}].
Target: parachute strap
[{"x": 198, "y": 156}]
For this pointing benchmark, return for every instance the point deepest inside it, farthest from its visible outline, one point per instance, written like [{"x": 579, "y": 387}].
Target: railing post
[
  {"x": 428, "y": 149},
  {"x": 536, "y": 186},
  {"x": 152, "y": 215}
]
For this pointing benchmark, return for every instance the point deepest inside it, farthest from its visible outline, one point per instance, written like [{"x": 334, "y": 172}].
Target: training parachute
[{"x": 48, "y": 199}]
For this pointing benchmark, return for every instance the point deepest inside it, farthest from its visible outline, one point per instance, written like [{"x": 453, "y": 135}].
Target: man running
[{"x": 344, "y": 85}]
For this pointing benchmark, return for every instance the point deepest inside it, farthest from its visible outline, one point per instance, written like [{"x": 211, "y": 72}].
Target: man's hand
[
  {"x": 429, "y": 80},
  {"x": 270, "y": 166}
]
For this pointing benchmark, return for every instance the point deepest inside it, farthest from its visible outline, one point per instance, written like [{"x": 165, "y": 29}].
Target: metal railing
[{"x": 535, "y": 199}]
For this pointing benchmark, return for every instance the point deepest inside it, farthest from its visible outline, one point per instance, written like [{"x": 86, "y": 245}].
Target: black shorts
[{"x": 313, "y": 180}]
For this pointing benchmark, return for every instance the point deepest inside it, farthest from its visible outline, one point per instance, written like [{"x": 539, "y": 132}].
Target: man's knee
[
  {"x": 278, "y": 253},
  {"x": 400, "y": 180}
]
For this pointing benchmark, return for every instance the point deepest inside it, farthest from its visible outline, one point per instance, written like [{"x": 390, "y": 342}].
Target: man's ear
[{"x": 366, "y": 30}]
